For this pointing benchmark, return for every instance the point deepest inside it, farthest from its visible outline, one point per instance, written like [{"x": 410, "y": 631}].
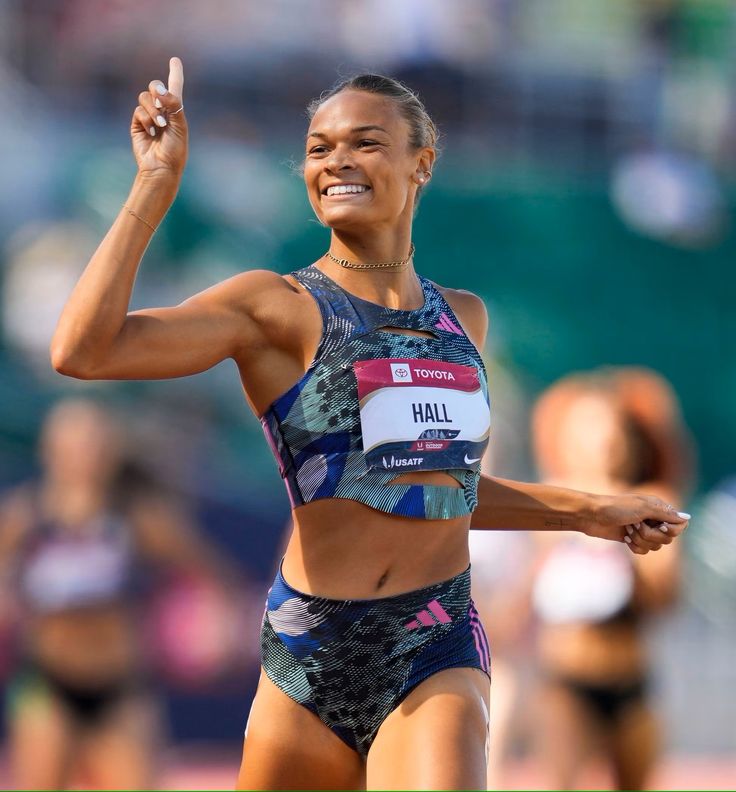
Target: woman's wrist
[
  {"x": 587, "y": 514},
  {"x": 567, "y": 509},
  {"x": 151, "y": 197}
]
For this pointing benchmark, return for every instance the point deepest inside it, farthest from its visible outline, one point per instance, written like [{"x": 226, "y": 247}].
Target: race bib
[{"x": 421, "y": 414}]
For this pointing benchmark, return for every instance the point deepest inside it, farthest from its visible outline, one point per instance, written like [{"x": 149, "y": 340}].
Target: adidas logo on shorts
[{"x": 434, "y": 614}]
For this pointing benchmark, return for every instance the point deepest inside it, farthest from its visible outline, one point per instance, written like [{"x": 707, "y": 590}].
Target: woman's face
[
  {"x": 360, "y": 140},
  {"x": 590, "y": 436},
  {"x": 80, "y": 444}
]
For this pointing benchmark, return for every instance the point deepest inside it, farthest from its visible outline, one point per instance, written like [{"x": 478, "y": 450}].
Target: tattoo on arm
[{"x": 558, "y": 522}]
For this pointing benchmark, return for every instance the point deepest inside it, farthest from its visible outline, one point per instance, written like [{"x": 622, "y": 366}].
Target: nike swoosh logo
[{"x": 470, "y": 461}]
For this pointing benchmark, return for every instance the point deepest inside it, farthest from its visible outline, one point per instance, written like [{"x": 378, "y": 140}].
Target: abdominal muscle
[{"x": 343, "y": 549}]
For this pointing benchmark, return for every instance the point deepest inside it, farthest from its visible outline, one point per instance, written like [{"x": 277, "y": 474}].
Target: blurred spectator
[
  {"x": 609, "y": 432},
  {"x": 72, "y": 546}
]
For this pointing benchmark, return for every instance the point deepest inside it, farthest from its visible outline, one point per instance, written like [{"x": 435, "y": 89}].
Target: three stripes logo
[
  {"x": 445, "y": 323},
  {"x": 434, "y": 614}
]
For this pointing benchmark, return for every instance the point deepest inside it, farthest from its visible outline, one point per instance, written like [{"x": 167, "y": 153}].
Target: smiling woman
[
  {"x": 371, "y": 389},
  {"x": 404, "y": 126},
  {"x": 419, "y": 130}
]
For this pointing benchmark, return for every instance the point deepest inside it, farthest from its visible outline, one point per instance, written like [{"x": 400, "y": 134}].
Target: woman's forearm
[
  {"x": 516, "y": 505},
  {"x": 97, "y": 308}
]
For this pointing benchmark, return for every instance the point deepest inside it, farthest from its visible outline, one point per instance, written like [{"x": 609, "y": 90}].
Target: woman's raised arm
[{"x": 96, "y": 337}]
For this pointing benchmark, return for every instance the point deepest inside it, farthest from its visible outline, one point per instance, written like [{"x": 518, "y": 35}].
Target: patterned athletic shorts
[{"x": 352, "y": 662}]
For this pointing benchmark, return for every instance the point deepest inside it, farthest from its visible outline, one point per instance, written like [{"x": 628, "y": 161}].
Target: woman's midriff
[
  {"x": 342, "y": 549},
  {"x": 595, "y": 654},
  {"x": 91, "y": 645}
]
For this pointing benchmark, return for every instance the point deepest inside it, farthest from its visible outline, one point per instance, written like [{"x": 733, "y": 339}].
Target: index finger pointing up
[{"x": 176, "y": 77}]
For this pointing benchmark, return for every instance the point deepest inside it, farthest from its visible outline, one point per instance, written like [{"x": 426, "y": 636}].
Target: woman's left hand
[{"x": 643, "y": 522}]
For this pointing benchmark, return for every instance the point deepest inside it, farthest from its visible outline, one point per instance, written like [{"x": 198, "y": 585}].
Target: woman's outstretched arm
[{"x": 644, "y": 522}]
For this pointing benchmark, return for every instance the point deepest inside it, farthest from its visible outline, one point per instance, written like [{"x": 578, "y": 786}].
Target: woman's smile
[{"x": 345, "y": 192}]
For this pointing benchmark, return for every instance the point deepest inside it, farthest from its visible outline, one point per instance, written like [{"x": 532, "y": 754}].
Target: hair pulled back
[{"x": 422, "y": 130}]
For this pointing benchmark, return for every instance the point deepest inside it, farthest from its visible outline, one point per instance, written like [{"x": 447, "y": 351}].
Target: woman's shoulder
[
  {"x": 257, "y": 293},
  {"x": 461, "y": 297},
  {"x": 470, "y": 309},
  {"x": 22, "y": 499},
  {"x": 278, "y": 304},
  {"x": 18, "y": 512},
  {"x": 259, "y": 283}
]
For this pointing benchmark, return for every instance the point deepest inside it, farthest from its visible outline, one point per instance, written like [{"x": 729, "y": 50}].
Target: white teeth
[{"x": 342, "y": 189}]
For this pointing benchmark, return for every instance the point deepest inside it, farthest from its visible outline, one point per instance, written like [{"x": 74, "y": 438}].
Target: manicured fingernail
[
  {"x": 158, "y": 104},
  {"x": 627, "y": 539},
  {"x": 684, "y": 515},
  {"x": 629, "y": 530},
  {"x": 152, "y": 131},
  {"x": 664, "y": 528},
  {"x": 161, "y": 89},
  {"x": 161, "y": 121}
]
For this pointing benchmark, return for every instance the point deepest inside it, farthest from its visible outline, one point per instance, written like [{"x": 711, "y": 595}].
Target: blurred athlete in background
[
  {"x": 74, "y": 545},
  {"x": 618, "y": 430}
]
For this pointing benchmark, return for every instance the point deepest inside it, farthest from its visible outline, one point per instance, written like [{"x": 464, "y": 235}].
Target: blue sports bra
[
  {"x": 374, "y": 404},
  {"x": 63, "y": 570}
]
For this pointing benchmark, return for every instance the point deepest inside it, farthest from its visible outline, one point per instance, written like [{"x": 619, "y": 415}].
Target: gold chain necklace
[{"x": 377, "y": 265}]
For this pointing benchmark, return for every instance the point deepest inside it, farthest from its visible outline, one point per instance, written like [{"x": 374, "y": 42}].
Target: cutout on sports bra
[
  {"x": 406, "y": 331},
  {"x": 431, "y": 477}
]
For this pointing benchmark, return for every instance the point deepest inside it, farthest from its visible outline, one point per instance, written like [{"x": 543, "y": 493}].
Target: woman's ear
[{"x": 424, "y": 167}]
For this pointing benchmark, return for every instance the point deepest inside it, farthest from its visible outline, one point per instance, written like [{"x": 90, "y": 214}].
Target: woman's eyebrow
[
  {"x": 364, "y": 128},
  {"x": 368, "y": 128}
]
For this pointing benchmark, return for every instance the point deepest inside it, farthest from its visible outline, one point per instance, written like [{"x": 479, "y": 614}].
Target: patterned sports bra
[{"x": 374, "y": 404}]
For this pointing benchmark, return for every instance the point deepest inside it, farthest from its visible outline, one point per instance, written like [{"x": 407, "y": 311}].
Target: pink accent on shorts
[
  {"x": 412, "y": 625},
  {"x": 445, "y": 323},
  {"x": 479, "y": 637},
  {"x": 439, "y": 612}
]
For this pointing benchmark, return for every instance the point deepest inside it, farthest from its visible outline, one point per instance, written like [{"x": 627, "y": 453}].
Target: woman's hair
[{"x": 422, "y": 130}]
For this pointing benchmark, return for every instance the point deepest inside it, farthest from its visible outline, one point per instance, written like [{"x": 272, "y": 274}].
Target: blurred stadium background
[{"x": 585, "y": 190}]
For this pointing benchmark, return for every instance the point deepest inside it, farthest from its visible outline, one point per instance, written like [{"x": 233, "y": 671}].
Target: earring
[{"x": 421, "y": 180}]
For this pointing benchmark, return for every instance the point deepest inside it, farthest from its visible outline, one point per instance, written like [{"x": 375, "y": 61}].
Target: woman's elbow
[{"x": 64, "y": 361}]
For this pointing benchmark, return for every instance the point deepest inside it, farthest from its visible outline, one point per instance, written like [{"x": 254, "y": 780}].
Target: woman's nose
[{"x": 340, "y": 159}]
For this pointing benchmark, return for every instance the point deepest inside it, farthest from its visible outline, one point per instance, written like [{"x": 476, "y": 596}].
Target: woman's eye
[
  {"x": 317, "y": 149},
  {"x": 368, "y": 143}
]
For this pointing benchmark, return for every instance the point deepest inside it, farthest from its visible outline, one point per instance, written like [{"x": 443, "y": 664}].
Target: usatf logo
[
  {"x": 393, "y": 462},
  {"x": 400, "y": 372}
]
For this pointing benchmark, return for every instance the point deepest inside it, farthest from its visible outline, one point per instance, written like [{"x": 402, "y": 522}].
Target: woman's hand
[
  {"x": 644, "y": 522},
  {"x": 158, "y": 129}
]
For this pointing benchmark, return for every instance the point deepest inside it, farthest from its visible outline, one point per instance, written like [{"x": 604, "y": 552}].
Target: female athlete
[
  {"x": 372, "y": 394},
  {"x": 613, "y": 430},
  {"x": 77, "y": 545}
]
